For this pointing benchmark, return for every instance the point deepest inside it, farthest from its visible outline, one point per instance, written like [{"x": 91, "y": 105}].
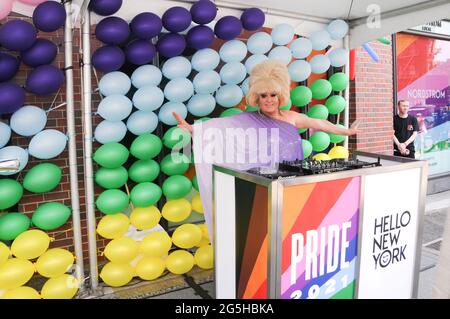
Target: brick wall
[{"x": 371, "y": 100}]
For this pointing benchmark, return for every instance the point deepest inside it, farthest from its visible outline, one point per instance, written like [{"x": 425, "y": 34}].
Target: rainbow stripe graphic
[{"x": 311, "y": 211}]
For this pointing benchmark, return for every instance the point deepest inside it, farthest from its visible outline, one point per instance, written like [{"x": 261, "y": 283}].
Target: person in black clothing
[{"x": 405, "y": 131}]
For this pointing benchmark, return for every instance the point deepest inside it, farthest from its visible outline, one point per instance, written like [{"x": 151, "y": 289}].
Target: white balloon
[
  {"x": 176, "y": 67},
  {"x": 245, "y": 86},
  {"x": 141, "y": 122},
  {"x": 281, "y": 54},
  {"x": 205, "y": 59},
  {"x": 282, "y": 34},
  {"x": 179, "y": 90},
  {"x": 47, "y": 144},
  {"x": 201, "y": 104},
  {"x": 14, "y": 152},
  {"x": 148, "y": 98},
  {"x": 299, "y": 70},
  {"x": 229, "y": 95},
  {"x": 259, "y": 43},
  {"x": 233, "y": 51},
  {"x": 301, "y": 48},
  {"x": 165, "y": 113},
  {"x": 319, "y": 64},
  {"x": 206, "y": 82},
  {"x": 110, "y": 132},
  {"x": 115, "y": 107},
  {"x": 338, "y": 57},
  {"x": 28, "y": 120},
  {"x": 254, "y": 60},
  {"x": 337, "y": 29},
  {"x": 146, "y": 75},
  {"x": 233, "y": 73},
  {"x": 114, "y": 83},
  {"x": 320, "y": 39},
  {"x": 5, "y": 134}
]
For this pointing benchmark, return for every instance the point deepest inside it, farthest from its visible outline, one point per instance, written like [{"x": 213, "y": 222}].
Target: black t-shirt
[{"x": 404, "y": 128}]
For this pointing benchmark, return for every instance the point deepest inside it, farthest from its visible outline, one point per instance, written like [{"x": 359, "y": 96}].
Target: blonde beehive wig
[{"x": 267, "y": 77}]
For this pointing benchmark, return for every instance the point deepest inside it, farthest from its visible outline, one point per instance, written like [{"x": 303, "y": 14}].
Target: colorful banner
[
  {"x": 423, "y": 78},
  {"x": 319, "y": 239}
]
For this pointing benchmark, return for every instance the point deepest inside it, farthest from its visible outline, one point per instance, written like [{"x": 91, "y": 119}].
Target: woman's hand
[
  {"x": 182, "y": 123},
  {"x": 354, "y": 128}
]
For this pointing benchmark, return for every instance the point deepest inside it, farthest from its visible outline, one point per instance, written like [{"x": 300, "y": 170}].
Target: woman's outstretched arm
[
  {"x": 182, "y": 123},
  {"x": 303, "y": 121}
]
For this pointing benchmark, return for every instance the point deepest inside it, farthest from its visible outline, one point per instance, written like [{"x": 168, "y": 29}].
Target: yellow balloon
[
  {"x": 30, "y": 244},
  {"x": 156, "y": 244},
  {"x": 176, "y": 210},
  {"x": 4, "y": 253},
  {"x": 204, "y": 257},
  {"x": 187, "y": 236},
  {"x": 321, "y": 157},
  {"x": 338, "y": 152},
  {"x": 54, "y": 262},
  {"x": 179, "y": 262},
  {"x": 149, "y": 268},
  {"x": 121, "y": 250},
  {"x": 197, "y": 204},
  {"x": 61, "y": 287},
  {"x": 204, "y": 229},
  {"x": 145, "y": 217},
  {"x": 23, "y": 292},
  {"x": 15, "y": 273},
  {"x": 116, "y": 275},
  {"x": 113, "y": 226},
  {"x": 205, "y": 241}
]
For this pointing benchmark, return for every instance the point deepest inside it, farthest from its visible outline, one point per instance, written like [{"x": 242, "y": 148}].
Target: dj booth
[{"x": 310, "y": 229}]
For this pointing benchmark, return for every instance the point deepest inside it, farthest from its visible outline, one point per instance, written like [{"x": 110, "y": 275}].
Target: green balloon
[
  {"x": 318, "y": 111},
  {"x": 334, "y": 138},
  {"x": 320, "y": 141},
  {"x": 50, "y": 216},
  {"x": 145, "y": 194},
  {"x": 176, "y": 186},
  {"x": 111, "y": 177},
  {"x": 250, "y": 108},
  {"x": 320, "y": 89},
  {"x": 42, "y": 178},
  {"x": 176, "y": 138},
  {"x": 175, "y": 164},
  {"x": 230, "y": 112},
  {"x": 112, "y": 201},
  {"x": 146, "y": 146},
  {"x": 111, "y": 155},
  {"x": 301, "y": 95},
  {"x": 144, "y": 171},
  {"x": 202, "y": 119},
  {"x": 10, "y": 193},
  {"x": 335, "y": 104},
  {"x": 302, "y": 130},
  {"x": 339, "y": 81},
  {"x": 195, "y": 183},
  {"x": 12, "y": 225},
  {"x": 307, "y": 148},
  {"x": 287, "y": 106}
]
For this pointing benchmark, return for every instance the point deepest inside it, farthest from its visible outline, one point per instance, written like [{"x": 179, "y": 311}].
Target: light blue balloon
[
  {"x": 176, "y": 67},
  {"x": 299, "y": 70},
  {"x": 245, "y": 86},
  {"x": 319, "y": 64},
  {"x": 201, "y": 104},
  {"x": 14, "y": 152},
  {"x": 259, "y": 43},
  {"x": 115, "y": 107},
  {"x": 205, "y": 59},
  {"x": 281, "y": 54},
  {"x": 110, "y": 132},
  {"x": 206, "y": 82},
  {"x": 282, "y": 34},
  {"x": 114, "y": 83},
  {"x": 229, "y": 95},
  {"x": 233, "y": 73},
  {"x": 320, "y": 39},
  {"x": 141, "y": 122},
  {"x": 146, "y": 75},
  {"x": 148, "y": 98},
  {"x": 301, "y": 48},
  {"x": 165, "y": 113},
  {"x": 28, "y": 120},
  {"x": 179, "y": 90},
  {"x": 47, "y": 144},
  {"x": 254, "y": 60},
  {"x": 233, "y": 51},
  {"x": 5, "y": 134},
  {"x": 338, "y": 57},
  {"x": 337, "y": 29}
]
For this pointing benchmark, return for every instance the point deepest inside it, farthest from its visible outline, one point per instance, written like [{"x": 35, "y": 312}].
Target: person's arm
[
  {"x": 411, "y": 139},
  {"x": 303, "y": 121},
  {"x": 182, "y": 123},
  {"x": 401, "y": 146}
]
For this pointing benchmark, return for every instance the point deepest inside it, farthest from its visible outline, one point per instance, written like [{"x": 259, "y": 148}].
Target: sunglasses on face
[{"x": 265, "y": 95}]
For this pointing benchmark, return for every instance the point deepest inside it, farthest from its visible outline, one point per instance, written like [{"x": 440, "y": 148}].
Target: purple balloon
[
  {"x": 17, "y": 35},
  {"x": 176, "y": 19},
  {"x": 42, "y": 52},
  {"x": 105, "y": 7},
  {"x": 252, "y": 19},
  {"x": 171, "y": 44},
  {"x": 12, "y": 97},
  {"x": 9, "y": 66},
  {"x": 146, "y": 25},
  {"x": 112, "y": 30},
  {"x": 108, "y": 58},
  {"x": 44, "y": 80},
  {"x": 200, "y": 37},
  {"x": 203, "y": 12},
  {"x": 228, "y": 28},
  {"x": 140, "y": 52},
  {"x": 49, "y": 16}
]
